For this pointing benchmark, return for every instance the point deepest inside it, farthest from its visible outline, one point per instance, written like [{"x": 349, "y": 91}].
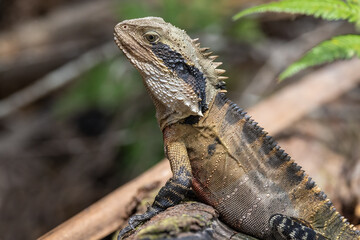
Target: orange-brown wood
[{"x": 109, "y": 213}]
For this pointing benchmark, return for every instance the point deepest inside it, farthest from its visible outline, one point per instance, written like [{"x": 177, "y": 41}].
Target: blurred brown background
[{"x": 76, "y": 123}]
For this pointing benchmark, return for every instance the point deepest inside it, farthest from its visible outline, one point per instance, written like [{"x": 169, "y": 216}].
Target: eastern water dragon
[{"x": 215, "y": 149}]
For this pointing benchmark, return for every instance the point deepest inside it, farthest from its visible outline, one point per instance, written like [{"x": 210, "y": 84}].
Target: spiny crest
[
  {"x": 207, "y": 56},
  {"x": 269, "y": 144},
  {"x": 293, "y": 169}
]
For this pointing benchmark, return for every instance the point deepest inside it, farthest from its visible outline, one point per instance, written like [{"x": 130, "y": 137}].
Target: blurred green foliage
[
  {"x": 98, "y": 88},
  {"x": 190, "y": 15},
  {"x": 112, "y": 89},
  {"x": 246, "y": 31},
  {"x": 145, "y": 147},
  {"x": 194, "y": 16}
]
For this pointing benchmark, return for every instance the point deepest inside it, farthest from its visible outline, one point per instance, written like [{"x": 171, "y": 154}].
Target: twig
[
  {"x": 277, "y": 60},
  {"x": 57, "y": 79},
  {"x": 70, "y": 23},
  {"x": 295, "y": 101},
  {"x": 33, "y": 48}
]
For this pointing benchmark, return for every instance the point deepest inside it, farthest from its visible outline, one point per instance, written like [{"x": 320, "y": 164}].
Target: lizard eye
[{"x": 152, "y": 37}]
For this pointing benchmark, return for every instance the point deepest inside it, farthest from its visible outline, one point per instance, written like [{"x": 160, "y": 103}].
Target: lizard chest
[
  {"x": 226, "y": 180},
  {"x": 211, "y": 163}
]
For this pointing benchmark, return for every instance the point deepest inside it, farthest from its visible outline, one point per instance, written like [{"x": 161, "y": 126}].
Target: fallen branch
[
  {"x": 33, "y": 48},
  {"x": 57, "y": 79},
  {"x": 295, "y": 101},
  {"x": 55, "y": 35},
  {"x": 281, "y": 54},
  {"x": 106, "y": 215},
  {"x": 290, "y": 103}
]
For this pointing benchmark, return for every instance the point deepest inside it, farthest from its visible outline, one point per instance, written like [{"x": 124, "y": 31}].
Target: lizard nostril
[{"x": 124, "y": 27}]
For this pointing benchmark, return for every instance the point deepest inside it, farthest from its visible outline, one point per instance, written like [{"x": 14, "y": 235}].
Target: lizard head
[{"x": 179, "y": 75}]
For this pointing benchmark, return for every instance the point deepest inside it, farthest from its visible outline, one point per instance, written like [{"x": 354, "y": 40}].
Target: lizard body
[{"x": 216, "y": 149}]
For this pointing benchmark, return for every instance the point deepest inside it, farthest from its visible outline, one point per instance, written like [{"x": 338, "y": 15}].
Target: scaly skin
[{"x": 216, "y": 149}]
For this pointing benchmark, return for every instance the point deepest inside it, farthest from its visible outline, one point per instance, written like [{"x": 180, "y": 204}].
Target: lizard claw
[
  {"x": 124, "y": 231},
  {"x": 134, "y": 221}
]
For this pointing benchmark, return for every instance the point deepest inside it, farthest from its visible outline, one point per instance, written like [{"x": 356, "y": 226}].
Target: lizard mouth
[
  {"x": 130, "y": 47},
  {"x": 117, "y": 41},
  {"x": 121, "y": 45}
]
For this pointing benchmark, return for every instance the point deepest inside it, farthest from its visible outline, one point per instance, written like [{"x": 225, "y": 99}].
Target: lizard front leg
[{"x": 175, "y": 189}]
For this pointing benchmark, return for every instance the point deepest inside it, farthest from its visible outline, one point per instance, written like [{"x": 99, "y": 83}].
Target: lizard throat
[{"x": 190, "y": 74}]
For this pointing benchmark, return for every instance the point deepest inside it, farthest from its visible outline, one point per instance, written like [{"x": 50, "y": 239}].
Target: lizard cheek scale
[{"x": 216, "y": 150}]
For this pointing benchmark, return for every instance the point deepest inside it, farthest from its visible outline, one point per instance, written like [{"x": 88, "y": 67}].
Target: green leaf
[
  {"x": 354, "y": 1},
  {"x": 326, "y": 9},
  {"x": 340, "y": 47}
]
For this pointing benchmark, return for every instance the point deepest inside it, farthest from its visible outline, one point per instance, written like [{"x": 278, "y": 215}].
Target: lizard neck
[{"x": 167, "y": 116}]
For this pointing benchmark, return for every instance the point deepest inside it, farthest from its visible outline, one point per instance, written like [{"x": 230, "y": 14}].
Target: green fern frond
[
  {"x": 340, "y": 47},
  {"x": 326, "y": 9},
  {"x": 354, "y": 1}
]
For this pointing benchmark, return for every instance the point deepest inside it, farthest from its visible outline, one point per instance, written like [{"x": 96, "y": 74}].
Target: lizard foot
[
  {"x": 137, "y": 220},
  {"x": 175, "y": 189},
  {"x": 124, "y": 231},
  {"x": 288, "y": 228}
]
